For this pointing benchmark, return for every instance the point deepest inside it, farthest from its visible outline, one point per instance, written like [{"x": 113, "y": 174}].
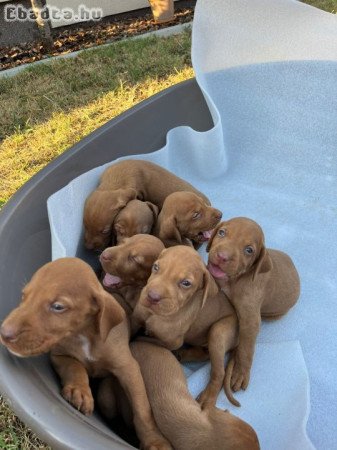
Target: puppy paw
[
  {"x": 240, "y": 377},
  {"x": 207, "y": 399},
  {"x": 80, "y": 397},
  {"x": 148, "y": 332}
]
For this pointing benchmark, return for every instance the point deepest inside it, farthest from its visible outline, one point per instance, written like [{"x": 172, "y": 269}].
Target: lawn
[
  {"x": 326, "y": 5},
  {"x": 48, "y": 108}
]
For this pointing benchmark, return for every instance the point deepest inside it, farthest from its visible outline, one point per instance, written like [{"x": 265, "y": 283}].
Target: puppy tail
[{"x": 227, "y": 383}]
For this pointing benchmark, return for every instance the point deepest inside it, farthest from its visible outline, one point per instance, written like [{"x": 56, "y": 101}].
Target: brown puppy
[
  {"x": 65, "y": 310},
  {"x": 186, "y": 219},
  {"x": 258, "y": 282},
  {"x": 136, "y": 218},
  {"x": 100, "y": 211},
  {"x": 128, "y": 266},
  {"x": 120, "y": 183},
  {"x": 178, "y": 415},
  {"x": 181, "y": 303}
]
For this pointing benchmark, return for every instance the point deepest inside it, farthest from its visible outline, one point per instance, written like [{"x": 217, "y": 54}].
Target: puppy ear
[
  {"x": 125, "y": 196},
  {"x": 118, "y": 232},
  {"x": 168, "y": 230},
  {"x": 210, "y": 287},
  {"x": 155, "y": 210},
  {"x": 139, "y": 259},
  {"x": 263, "y": 263},
  {"x": 209, "y": 243},
  {"x": 110, "y": 313},
  {"x": 118, "y": 227}
]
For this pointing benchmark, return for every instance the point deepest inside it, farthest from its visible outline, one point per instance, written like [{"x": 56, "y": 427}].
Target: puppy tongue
[
  {"x": 111, "y": 280},
  {"x": 204, "y": 236},
  {"x": 216, "y": 271},
  {"x": 207, "y": 234}
]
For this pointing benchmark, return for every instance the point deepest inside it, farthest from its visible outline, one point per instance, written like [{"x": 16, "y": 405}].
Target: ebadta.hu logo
[{"x": 17, "y": 12}]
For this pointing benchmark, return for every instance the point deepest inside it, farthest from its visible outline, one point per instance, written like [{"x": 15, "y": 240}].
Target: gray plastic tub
[{"x": 30, "y": 385}]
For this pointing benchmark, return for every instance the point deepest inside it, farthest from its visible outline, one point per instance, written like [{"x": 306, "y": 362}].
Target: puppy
[
  {"x": 100, "y": 211},
  {"x": 136, "y": 218},
  {"x": 66, "y": 311},
  {"x": 181, "y": 303},
  {"x": 258, "y": 282},
  {"x": 186, "y": 219},
  {"x": 121, "y": 183},
  {"x": 178, "y": 415},
  {"x": 128, "y": 266}
]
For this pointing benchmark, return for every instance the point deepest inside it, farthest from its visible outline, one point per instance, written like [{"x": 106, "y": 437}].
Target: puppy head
[
  {"x": 130, "y": 263},
  {"x": 62, "y": 298},
  {"x": 136, "y": 218},
  {"x": 177, "y": 276},
  {"x": 237, "y": 247},
  {"x": 186, "y": 215},
  {"x": 100, "y": 211}
]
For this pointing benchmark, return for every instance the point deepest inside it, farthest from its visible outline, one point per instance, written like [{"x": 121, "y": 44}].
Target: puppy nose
[
  {"x": 218, "y": 215},
  {"x": 105, "y": 256},
  {"x": 8, "y": 333},
  {"x": 223, "y": 256},
  {"x": 153, "y": 297}
]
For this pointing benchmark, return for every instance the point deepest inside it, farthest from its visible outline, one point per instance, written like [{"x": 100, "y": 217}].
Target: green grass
[
  {"x": 34, "y": 96},
  {"x": 14, "y": 434},
  {"x": 327, "y": 5},
  {"x": 46, "y": 109},
  {"x": 50, "y": 107}
]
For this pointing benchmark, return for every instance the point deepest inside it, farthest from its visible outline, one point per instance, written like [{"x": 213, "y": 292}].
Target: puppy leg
[
  {"x": 222, "y": 337},
  {"x": 106, "y": 398},
  {"x": 249, "y": 326},
  {"x": 169, "y": 344},
  {"x": 75, "y": 382},
  {"x": 112, "y": 401},
  {"x": 131, "y": 380}
]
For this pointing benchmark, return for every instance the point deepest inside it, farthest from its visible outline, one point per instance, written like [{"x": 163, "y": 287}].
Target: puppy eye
[
  {"x": 155, "y": 267},
  {"x": 186, "y": 283},
  {"x": 222, "y": 232},
  {"x": 57, "y": 307},
  {"x": 105, "y": 231},
  {"x": 249, "y": 250},
  {"x": 196, "y": 215}
]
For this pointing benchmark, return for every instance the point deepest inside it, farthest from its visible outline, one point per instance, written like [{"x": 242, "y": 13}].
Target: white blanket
[{"x": 268, "y": 70}]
